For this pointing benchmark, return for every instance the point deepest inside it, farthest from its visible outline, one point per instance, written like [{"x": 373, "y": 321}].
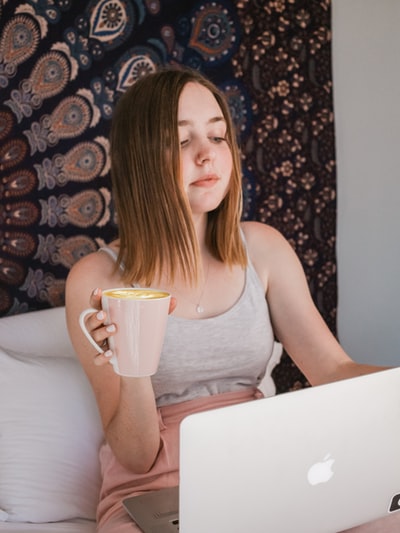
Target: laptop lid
[{"x": 321, "y": 459}]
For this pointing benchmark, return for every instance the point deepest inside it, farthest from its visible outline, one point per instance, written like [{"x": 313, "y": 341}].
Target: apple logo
[{"x": 321, "y": 472}]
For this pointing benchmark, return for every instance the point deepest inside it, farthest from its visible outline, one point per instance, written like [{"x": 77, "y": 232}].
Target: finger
[
  {"x": 102, "y": 334},
  {"x": 103, "y": 358},
  {"x": 172, "y": 304},
  {"x": 95, "y": 298},
  {"x": 94, "y": 321}
]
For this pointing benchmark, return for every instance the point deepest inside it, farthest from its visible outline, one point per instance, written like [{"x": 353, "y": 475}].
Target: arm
[
  {"x": 296, "y": 320},
  {"x": 127, "y": 405}
]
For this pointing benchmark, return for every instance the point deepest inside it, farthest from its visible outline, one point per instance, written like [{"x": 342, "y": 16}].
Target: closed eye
[{"x": 214, "y": 139}]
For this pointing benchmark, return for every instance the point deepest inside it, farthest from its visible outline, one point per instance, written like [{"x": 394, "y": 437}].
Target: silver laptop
[{"x": 318, "y": 460}]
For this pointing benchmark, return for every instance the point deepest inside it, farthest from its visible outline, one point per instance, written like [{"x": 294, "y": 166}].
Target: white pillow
[
  {"x": 36, "y": 333},
  {"x": 50, "y": 430}
]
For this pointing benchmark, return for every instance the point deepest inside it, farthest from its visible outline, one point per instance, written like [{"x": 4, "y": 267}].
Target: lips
[{"x": 206, "y": 181}]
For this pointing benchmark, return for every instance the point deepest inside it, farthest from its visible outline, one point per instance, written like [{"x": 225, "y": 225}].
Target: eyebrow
[{"x": 211, "y": 121}]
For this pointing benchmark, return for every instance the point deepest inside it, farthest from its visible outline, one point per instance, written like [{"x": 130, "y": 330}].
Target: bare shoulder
[
  {"x": 97, "y": 268},
  {"x": 251, "y": 227},
  {"x": 269, "y": 251},
  {"x": 262, "y": 238}
]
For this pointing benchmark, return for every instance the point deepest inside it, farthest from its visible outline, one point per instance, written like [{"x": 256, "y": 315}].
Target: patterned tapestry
[{"x": 63, "y": 65}]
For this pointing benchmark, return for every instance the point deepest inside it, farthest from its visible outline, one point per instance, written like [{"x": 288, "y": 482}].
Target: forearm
[
  {"x": 351, "y": 369},
  {"x": 133, "y": 432}
]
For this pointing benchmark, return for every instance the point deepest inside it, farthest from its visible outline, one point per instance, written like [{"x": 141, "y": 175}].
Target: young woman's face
[{"x": 206, "y": 159}]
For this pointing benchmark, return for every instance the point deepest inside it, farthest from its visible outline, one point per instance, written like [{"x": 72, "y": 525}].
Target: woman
[{"x": 177, "y": 190}]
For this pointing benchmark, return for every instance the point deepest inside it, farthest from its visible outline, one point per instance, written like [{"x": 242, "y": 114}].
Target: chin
[
  {"x": 207, "y": 205},
  {"x": 204, "y": 209}
]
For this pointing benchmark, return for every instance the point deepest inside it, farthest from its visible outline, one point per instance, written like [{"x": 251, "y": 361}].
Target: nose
[{"x": 205, "y": 154}]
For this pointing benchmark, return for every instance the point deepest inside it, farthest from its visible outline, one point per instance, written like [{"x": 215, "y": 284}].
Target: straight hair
[{"x": 156, "y": 231}]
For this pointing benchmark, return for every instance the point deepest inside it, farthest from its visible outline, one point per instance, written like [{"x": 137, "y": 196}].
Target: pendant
[{"x": 199, "y": 309}]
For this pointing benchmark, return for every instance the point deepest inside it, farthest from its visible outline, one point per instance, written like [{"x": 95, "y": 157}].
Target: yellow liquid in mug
[{"x": 135, "y": 294}]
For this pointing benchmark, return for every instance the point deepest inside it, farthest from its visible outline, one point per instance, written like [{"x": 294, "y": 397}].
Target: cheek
[{"x": 227, "y": 162}]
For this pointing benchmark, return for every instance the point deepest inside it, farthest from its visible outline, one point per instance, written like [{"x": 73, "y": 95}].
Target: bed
[{"x": 50, "y": 430}]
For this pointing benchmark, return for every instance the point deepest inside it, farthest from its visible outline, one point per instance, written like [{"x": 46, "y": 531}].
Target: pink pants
[{"x": 119, "y": 483}]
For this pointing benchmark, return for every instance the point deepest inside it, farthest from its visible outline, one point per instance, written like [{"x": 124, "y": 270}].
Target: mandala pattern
[
  {"x": 64, "y": 64},
  {"x": 214, "y": 34}
]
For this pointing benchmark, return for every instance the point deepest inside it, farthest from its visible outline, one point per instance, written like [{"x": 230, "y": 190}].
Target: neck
[{"x": 200, "y": 226}]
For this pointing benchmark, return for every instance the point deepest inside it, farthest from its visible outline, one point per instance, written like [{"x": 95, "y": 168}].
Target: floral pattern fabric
[{"x": 63, "y": 65}]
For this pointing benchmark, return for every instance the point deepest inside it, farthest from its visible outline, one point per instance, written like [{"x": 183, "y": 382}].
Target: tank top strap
[
  {"x": 251, "y": 272},
  {"x": 113, "y": 254}
]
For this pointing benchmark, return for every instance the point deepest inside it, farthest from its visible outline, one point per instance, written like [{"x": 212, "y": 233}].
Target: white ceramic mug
[{"x": 140, "y": 316}]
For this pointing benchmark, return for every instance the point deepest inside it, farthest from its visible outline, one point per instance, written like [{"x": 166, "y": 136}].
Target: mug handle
[
  {"x": 82, "y": 316},
  {"x": 82, "y": 324}
]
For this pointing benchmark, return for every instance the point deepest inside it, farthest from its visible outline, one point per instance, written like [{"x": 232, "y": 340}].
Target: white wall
[{"x": 366, "y": 79}]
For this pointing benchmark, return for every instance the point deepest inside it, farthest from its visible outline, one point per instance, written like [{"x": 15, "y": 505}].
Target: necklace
[{"x": 199, "y": 307}]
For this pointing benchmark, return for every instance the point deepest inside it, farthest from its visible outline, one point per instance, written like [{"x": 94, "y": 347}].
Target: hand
[{"x": 101, "y": 332}]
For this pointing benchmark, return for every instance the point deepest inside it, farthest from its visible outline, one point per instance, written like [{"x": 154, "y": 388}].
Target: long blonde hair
[{"x": 156, "y": 232}]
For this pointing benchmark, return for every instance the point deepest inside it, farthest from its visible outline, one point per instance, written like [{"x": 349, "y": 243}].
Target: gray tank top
[{"x": 227, "y": 352}]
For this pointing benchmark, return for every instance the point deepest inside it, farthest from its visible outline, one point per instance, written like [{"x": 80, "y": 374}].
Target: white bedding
[
  {"x": 50, "y": 428},
  {"x": 70, "y": 526}
]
